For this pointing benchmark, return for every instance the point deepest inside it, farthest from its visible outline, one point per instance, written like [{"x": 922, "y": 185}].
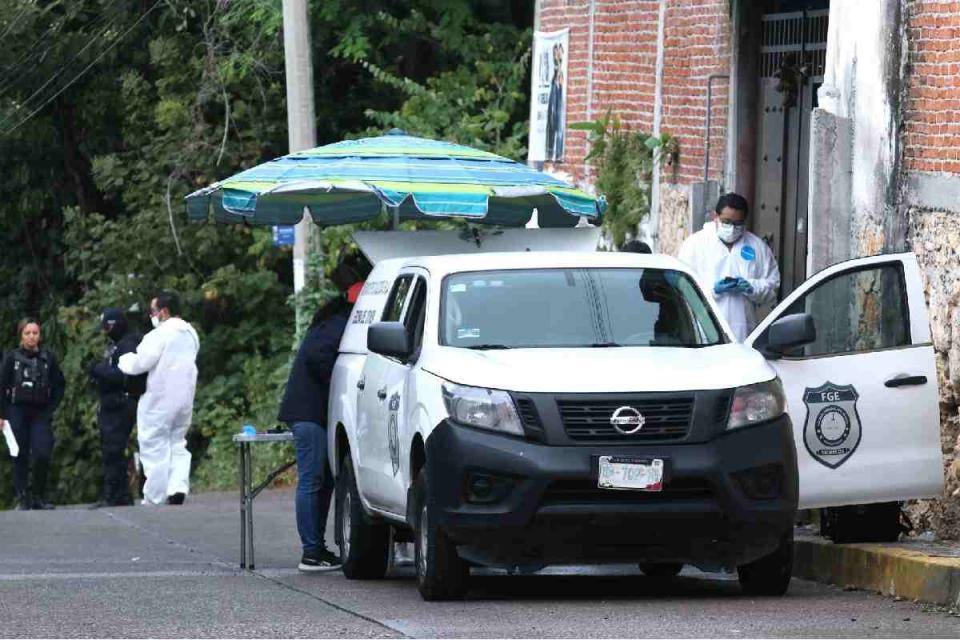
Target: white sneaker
[{"x": 403, "y": 554}]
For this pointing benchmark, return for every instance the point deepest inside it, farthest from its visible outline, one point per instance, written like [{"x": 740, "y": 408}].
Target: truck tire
[
  {"x": 770, "y": 575},
  {"x": 441, "y": 573},
  {"x": 364, "y": 544},
  {"x": 661, "y": 569}
]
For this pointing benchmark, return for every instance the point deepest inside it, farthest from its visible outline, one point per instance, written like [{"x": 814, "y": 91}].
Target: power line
[
  {"x": 62, "y": 69},
  {"x": 14, "y": 22},
  {"x": 85, "y": 69},
  {"x": 30, "y": 53},
  {"x": 12, "y": 71},
  {"x": 79, "y": 75}
]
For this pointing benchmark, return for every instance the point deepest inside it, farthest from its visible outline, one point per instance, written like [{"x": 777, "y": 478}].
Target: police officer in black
[
  {"x": 119, "y": 394},
  {"x": 31, "y": 388}
]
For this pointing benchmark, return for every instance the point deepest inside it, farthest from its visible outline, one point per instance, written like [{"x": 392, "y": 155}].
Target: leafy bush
[{"x": 624, "y": 161}]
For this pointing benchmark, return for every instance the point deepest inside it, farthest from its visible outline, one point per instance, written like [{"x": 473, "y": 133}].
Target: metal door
[{"x": 792, "y": 57}]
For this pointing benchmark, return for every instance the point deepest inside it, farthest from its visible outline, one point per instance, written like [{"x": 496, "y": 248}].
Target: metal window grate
[{"x": 798, "y": 35}]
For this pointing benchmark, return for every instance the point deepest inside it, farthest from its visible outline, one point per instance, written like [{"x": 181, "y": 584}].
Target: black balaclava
[{"x": 114, "y": 322}]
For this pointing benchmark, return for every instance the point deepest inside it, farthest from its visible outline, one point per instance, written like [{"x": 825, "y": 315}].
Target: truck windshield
[{"x": 592, "y": 307}]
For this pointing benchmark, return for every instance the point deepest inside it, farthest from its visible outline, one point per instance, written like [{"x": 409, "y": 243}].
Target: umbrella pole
[{"x": 396, "y": 218}]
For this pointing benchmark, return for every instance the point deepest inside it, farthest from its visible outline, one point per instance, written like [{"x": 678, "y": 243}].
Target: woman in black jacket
[
  {"x": 31, "y": 388},
  {"x": 304, "y": 408}
]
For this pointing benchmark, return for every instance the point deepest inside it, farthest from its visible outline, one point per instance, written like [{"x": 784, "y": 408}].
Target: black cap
[{"x": 113, "y": 321}]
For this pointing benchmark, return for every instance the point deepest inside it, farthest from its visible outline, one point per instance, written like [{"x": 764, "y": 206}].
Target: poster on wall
[{"x": 548, "y": 100}]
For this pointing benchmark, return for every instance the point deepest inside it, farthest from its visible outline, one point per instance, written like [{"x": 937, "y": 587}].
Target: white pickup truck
[{"x": 520, "y": 409}]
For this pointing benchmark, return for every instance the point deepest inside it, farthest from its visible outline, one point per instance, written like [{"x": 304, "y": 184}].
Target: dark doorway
[{"x": 791, "y": 40}]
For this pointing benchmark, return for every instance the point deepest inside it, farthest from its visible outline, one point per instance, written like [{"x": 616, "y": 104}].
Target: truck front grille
[{"x": 665, "y": 418}]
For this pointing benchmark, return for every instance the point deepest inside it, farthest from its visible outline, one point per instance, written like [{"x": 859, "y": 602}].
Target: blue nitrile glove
[
  {"x": 725, "y": 285},
  {"x": 744, "y": 287}
]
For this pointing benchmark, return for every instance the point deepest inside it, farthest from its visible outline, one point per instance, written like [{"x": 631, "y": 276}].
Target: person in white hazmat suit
[
  {"x": 168, "y": 356},
  {"x": 736, "y": 266}
]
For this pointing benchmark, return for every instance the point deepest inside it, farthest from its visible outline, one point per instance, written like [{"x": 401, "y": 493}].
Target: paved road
[{"x": 171, "y": 571}]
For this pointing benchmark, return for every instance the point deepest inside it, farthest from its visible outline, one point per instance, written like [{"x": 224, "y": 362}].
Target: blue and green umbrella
[{"x": 415, "y": 178}]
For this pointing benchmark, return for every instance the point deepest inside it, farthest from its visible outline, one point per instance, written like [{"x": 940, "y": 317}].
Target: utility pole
[{"x": 301, "y": 119}]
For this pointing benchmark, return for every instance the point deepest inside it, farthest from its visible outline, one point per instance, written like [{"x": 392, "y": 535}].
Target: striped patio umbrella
[{"x": 415, "y": 178}]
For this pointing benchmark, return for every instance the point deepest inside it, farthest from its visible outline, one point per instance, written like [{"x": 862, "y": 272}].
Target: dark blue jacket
[
  {"x": 305, "y": 399},
  {"x": 107, "y": 376}
]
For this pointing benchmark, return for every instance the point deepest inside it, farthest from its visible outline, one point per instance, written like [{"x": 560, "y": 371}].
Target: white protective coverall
[
  {"x": 168, "y": 356},
  {"x": 749, "y": 258}
]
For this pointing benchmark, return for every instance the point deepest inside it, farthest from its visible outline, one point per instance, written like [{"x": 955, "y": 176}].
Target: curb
[{"x": 889, "y": 570}]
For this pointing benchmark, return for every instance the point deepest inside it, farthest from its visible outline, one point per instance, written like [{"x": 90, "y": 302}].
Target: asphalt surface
[{"x": 173, "y": 572}]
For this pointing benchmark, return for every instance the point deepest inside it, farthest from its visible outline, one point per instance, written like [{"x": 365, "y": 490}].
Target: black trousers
[
  {"x": 116, "y": 424},
  {"x": 33, "y": 429}
]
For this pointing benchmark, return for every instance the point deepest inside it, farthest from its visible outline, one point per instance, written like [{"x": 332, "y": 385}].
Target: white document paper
[{"x": 11, "y": 441}]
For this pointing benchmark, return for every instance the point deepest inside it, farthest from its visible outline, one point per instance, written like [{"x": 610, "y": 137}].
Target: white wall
[{"x": 861, "y": 86}]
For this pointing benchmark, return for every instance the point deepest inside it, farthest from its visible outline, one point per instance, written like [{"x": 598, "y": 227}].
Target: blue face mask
[{"x": 729, "y": 232}]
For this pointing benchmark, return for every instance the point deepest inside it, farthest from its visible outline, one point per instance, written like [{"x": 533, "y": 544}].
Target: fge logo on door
[{"x": 832, "y": 431}]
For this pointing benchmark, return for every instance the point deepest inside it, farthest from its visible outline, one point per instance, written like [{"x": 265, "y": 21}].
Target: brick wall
[
  {"x": 932, "y": 116},
  {"x": 931, "y": 144},
  {"x": 575, "y": 15},
  {"x": 697, "y": 44},
  {"x": 625, "y": 61},
  {"x": 696, "y": 40}
]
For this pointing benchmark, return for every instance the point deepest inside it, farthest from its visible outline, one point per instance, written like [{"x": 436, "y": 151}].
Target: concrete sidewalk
[{"x": 912, "y": 570}]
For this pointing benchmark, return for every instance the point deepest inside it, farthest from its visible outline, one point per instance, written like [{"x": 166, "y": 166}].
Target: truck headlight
[
  {"x": 482, "y": 408},
  {"x": 757, "y": 403}
]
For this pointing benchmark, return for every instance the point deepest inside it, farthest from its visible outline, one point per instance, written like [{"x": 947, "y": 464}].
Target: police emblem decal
[
  {"x": 392, "y": 435},
  {"x": 832, "y": 430}
]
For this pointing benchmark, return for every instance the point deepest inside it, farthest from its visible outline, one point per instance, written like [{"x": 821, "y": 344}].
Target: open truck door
[{"x": 862, "y": 394}]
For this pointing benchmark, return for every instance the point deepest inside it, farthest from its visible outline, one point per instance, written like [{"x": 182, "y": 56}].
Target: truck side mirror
[
  {"x": 790, "y": 332},
  {"x": 389, "y": 339}
]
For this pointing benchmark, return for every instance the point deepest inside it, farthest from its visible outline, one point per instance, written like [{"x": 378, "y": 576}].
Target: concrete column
[
  {"x": 301, "y": 118},
  {"x": 831, "y": 171},
  {"x": 653, "y": 226},
  {"x": 861, "y": 90}
]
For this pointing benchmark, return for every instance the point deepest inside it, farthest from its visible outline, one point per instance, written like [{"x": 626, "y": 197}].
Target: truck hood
[{"x": 602, "y": 370}]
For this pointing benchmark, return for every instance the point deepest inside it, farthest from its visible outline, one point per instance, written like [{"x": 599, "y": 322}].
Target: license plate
[{"x": 624, "y": 473}]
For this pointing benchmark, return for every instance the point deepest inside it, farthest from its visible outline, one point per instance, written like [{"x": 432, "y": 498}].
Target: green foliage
[
  {"x": 624, "y": 161},
  {"x": 480, "y": 100},
  {"x": 91, "y": 201}
]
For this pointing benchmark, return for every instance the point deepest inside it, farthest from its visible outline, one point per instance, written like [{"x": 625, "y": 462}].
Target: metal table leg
[
  {"x": 243, "y": 505},
  {"x": 249, "y": 491}
]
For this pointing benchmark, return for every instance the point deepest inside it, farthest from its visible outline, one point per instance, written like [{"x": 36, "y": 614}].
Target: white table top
[{"x": 286, "y": 436}]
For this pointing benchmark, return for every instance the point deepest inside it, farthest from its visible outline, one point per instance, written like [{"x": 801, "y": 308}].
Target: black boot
[
  {"x": 23, "y": 501},
  {"x": 40, "y": 467},
  {"x": 176, "y": 498},
  {"x": 40, "y": 504}
]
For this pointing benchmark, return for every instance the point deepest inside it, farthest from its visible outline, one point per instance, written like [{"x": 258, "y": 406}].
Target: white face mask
[
  {"x": 155, "y": 321},
  {"x": 729, "y": 232}
]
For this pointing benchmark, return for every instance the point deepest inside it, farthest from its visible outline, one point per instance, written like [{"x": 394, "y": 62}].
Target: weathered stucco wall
[
  {"x": 830, "y": 172},
  {"x": 674, "y": 218},
  {"x": 935, "y": 239},
  {"x": 862, "y": 85}
]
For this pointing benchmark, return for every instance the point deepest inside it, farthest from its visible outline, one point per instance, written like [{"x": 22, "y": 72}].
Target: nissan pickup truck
[{"x": 520, "y": 409}]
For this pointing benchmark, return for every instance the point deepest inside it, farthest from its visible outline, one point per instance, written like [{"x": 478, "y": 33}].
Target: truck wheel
[
  {"x": 770, "y": 575},
  {"x": 661, "y": 569},
  {"x": 441, "y": 573},
  {"x": 364, "y": 545}
]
